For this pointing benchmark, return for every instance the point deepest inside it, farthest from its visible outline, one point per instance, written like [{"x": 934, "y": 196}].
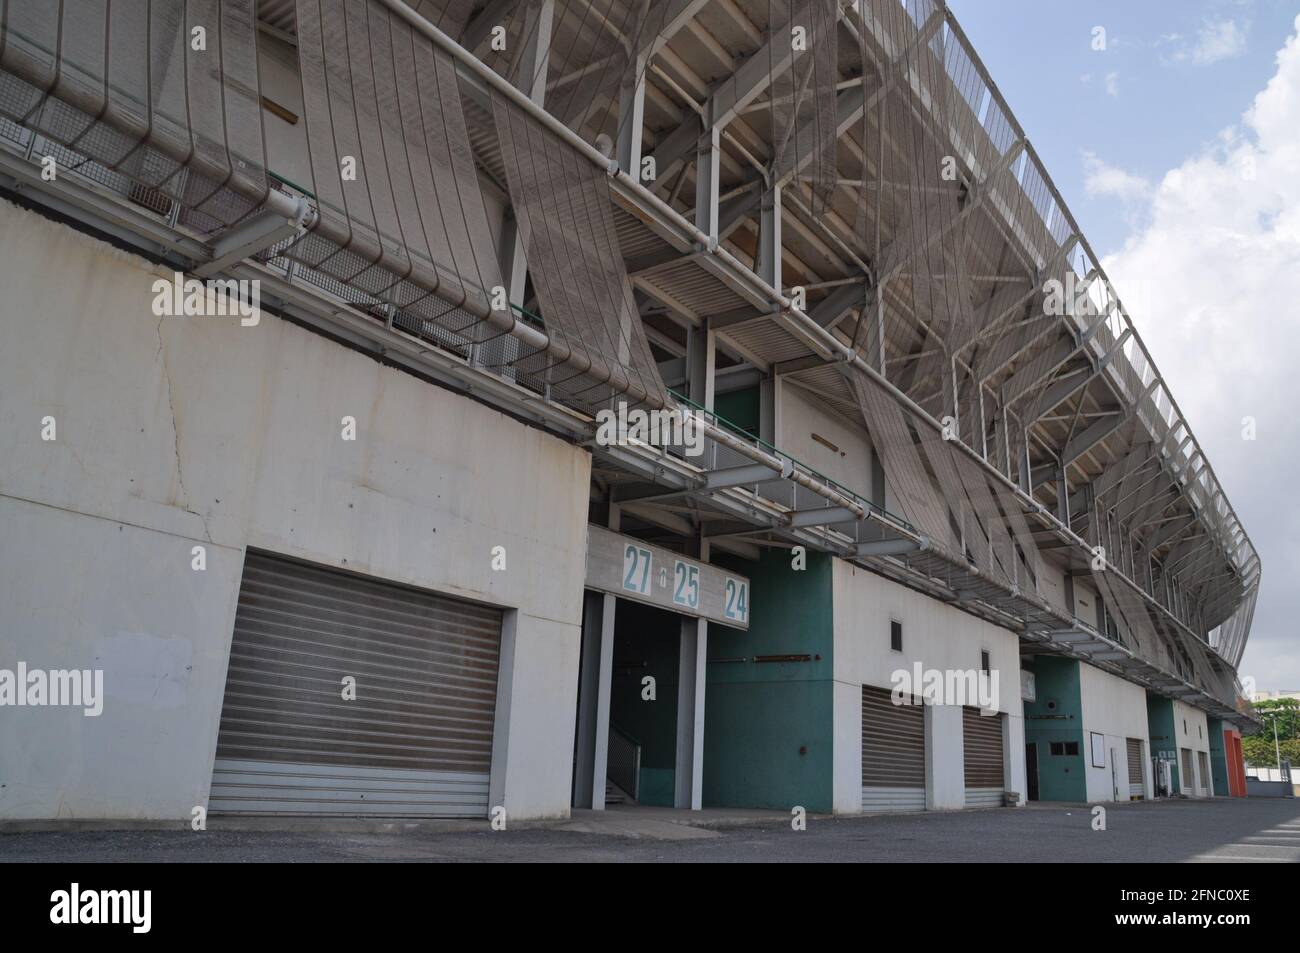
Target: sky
[{"x": 1177, "y": 148}]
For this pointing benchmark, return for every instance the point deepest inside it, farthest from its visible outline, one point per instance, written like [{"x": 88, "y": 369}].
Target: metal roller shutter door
[
  {"x": 1203, "y": 778},
  {"x": 1188, "y": 780},
  {"x": 893, "y": 753},
  {"x": 982, "y": 741},
  {"x": 417, "y": 739},
  {"x": 1135, "y": 788}
]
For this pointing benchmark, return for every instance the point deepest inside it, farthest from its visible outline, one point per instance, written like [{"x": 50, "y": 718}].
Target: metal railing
[{"x": 624, "y": 764}]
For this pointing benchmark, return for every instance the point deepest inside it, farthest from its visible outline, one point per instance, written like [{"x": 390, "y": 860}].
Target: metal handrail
[{"x": 624, "y": 765}]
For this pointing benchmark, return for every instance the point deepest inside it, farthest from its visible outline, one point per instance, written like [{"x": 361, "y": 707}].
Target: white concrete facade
[
  {"x": 936, "y": 636},
  {"x": 1115, "y": 710},
  {"x": 1192, "y": 732},
  {"x": 194, "y": 431},
  {"x": 805, "y": 427}
]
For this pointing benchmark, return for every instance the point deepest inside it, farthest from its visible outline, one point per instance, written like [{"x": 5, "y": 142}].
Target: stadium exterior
[{"x": 314, "y": 310}]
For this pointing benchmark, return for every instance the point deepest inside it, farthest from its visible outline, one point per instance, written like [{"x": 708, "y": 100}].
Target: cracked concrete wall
[{"x": 192, "y": 431}]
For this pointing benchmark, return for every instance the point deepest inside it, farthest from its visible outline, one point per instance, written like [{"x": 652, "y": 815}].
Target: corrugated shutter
[
  {"x": 417, "y": 739},
  {"x": 982, "y": 740},
  {"x": 893, "y": 753},
  {"x": 1135, "y": 787},
  {"x": 1188, "y": 780},
  {"x": 1203, "y": 779}
]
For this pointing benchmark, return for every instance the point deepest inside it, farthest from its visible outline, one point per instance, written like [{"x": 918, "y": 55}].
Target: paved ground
[{"x": 1252, "y": 831}]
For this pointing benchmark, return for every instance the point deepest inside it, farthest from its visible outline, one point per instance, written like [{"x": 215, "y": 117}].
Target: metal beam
[
  {"x": 246, "y": 239},
  {"x": 1094, "y": 435},
  {"x": 822, "y": 516},
  {"x": 889, "y": 547},
  {"x": 830, "y": 310},
  {"x": 675, "y": 18},
  {"x": 740, "y": 476},
  {"x": 756, "y": 74}
]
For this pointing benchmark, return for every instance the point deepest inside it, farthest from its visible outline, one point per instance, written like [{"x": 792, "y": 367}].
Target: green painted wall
[
  {"x": 1164, "y": 741},
  {"x": 1056, "y": 716},
  {"x": 740, "y": 407},
  {"x": 768, "y": 725},
  {"x": 1218, "y": 757},
  {"x": 647, "y": 641}
]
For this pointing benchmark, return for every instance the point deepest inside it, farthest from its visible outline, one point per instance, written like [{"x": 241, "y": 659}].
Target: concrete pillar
[
  {"x": 501, "y": 723},
  {"x": 945, "y": 758},
  {"x": 533, "y": 72},
  {"x": 846, "y": 748},
  {"x": 769, "y": 237},
  {"x": 604, "y": 678},
  {"x": 691, "y": 668},
  {"x": 538, "y": 669},
  {"x": 604, "y": 683},
  {"x": 631, "y": 118},
  {"x": 1013, "y": 754},
  {"x": 706, "y": 182},
  {"x": 584, "y": 749},
  {"x": 767, "y": 411},
  {"x": 701, "y": 358}
]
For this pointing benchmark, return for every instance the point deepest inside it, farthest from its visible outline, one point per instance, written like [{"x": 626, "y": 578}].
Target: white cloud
[
  {"x": 1216, "y": 264},
  {"x": 1102, "y": 179},
  {"x": 1215, "y": 40},
  {"x": 1218, "y": 40}
]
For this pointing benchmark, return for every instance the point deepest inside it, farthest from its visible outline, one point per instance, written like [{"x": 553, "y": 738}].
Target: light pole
[{"x": 1277, "y": 748}]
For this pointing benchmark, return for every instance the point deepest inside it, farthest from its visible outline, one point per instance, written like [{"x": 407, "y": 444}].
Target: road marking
[{"x": 1237, "y": 858}]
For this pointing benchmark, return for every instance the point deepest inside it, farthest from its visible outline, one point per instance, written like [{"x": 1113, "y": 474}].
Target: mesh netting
[{"x": 129, "y": 86}]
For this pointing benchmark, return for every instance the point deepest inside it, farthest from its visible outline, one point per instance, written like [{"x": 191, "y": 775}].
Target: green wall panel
[
  {"x": 740, "y": 407},
  {"x": 1164, "y": 740},
  {"x": 1057, "y": 716},
  {"x": 1218, "y": 757},
  {"x": 768, "y": 725}
]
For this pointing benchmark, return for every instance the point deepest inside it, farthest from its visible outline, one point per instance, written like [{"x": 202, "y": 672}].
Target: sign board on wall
[
  {"x": 627, "y": 567},
  {"x": 1028, "y": 691}
]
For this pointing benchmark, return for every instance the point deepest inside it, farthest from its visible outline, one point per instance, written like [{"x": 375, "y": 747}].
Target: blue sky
[
  {"x": 1177, "y": 149},
  {"x": 1173, "y": 74}
]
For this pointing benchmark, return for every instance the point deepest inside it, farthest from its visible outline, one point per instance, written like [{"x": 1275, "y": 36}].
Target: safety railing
[{"x": 624, "y": 765}]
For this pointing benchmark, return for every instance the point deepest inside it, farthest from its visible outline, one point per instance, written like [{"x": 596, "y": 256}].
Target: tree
[{"x": 1259, "y": 749}]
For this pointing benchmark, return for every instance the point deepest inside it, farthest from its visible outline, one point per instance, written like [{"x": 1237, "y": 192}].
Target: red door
[{"x": 1236, "y": 763}]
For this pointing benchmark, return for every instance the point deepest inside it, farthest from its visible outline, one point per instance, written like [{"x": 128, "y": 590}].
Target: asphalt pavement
[{"x": 1245, "y": 831}]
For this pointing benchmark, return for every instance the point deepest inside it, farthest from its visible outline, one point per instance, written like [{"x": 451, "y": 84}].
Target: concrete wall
[
  {"x": 177, "y": 432},
  {"x": 1116, "y": 710},
  {"x": 286, "y": 143},
  {"x": 937, "y": 636},
  {"x": 1052, "y": 586},
  {"x": 1086, "y": 601},
  {"x": 799, "y": 416},
  {"x": 1191, "y": 729}
]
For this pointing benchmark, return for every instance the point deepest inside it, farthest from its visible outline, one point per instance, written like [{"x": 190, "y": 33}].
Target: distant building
[{"x": 1274, "y": 696}]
